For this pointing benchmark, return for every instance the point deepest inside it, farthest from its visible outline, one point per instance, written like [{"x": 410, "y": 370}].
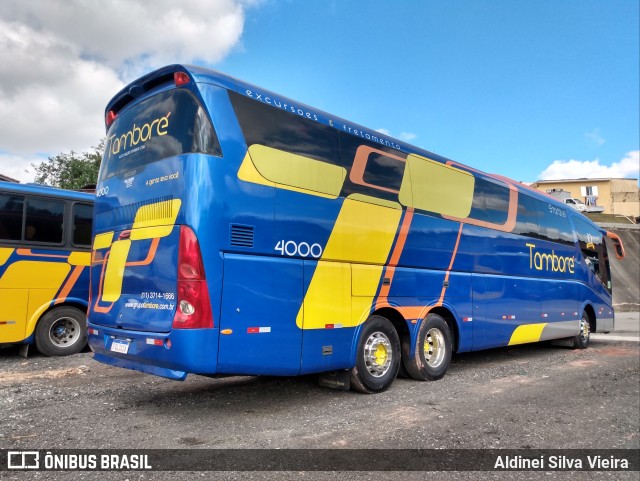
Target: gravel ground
[{"x": 531, "y": 396}]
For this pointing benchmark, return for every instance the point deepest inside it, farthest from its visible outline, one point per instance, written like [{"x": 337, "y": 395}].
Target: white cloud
[
  {"x": 628, "y": 167},
  {"x": 405, "y": 136},
  {"x": 62, "y": 60},
  {"x": 19, "y": 166},
  {"x": 595, "y": 137}
]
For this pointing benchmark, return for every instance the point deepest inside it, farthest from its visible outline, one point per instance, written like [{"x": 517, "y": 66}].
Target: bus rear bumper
[{"x": 172, "y": 355}]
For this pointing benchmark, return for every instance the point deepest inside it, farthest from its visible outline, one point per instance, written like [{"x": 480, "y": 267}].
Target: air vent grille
[{"x": 241, "y": 235}]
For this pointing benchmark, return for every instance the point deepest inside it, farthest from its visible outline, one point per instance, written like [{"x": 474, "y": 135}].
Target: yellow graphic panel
[
  {"x": 436, "y": 187},
  {"x": 363, "y": 233},
  {"x": 5, "y": 253},
  {"x": 330, "y": 300},
  {"x": 114, "y": 272},
  {"x": 35, "y": 275},
  {"x": 527, "y": 333},
  {"x": 80, "y": 258},
  {"x": 294, "y": 172},
  {"x": 161, "y": 215},
  {"x": 366, "y": 280},
  {"x": 13, "y": 314},
  {"x": 102, "y": 241}
]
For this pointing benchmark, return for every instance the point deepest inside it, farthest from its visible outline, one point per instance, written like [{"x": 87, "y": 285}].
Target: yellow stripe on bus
[
  {"x": 5, "y": 253},
  {"x": 363, "y": 233},
  {"x": 527, "y": 333},
  {"x": 114, "y": 272}
]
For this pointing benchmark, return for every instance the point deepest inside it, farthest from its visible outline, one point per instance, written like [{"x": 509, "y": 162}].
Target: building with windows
[{"x": 616, "y": 196}]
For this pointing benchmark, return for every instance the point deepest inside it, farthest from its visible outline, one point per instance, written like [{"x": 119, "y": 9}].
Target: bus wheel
[
  {"x": 61, "y": 331},
  {"x": 377, "y": 357},
  {"x": 433, "y": 350},
  {"x": 581, "y": 341}
]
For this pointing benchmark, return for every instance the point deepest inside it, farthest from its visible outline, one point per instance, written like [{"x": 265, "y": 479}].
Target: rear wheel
[
  {"x": 433, "y": 350},
  {"x": 377, "y": 357},
  {"x": 61, "y": 331}
]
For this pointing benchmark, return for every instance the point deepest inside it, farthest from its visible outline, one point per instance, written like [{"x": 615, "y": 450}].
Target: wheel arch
[
  {"x": 44, "y": 309},
  {"x": 591, "y": 316}
]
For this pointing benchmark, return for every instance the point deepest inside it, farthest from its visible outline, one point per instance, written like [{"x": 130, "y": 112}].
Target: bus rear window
[{"x": 168, "y": 124}]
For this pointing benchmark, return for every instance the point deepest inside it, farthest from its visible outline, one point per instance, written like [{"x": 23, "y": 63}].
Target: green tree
[{"x": 70, "y": 170}]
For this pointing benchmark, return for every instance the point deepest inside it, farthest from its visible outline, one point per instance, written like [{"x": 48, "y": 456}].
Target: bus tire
[
  {"x": 433, "y": 350},
  {"x": 581, "y": 341},
  {"x": 61, "y": 331},
  {"x": 377, "y": 357}
]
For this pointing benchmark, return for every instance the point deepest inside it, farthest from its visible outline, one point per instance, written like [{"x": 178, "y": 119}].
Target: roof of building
[
  {"x": 584, "y": 179},
  {"x": 6, "y": 178}
]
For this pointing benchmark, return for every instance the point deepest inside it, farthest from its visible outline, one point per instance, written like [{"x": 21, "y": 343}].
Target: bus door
[
  {"x": 261, "y": 297},
  {"x": 502, "y": 304}
]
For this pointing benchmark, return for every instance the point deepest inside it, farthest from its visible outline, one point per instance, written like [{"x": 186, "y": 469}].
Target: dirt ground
[{"x": 530, "y": 396}]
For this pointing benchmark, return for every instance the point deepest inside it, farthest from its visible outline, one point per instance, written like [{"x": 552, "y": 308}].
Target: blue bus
[
  {"x": 240, "y": 232},
  {"x": 45, "y": 253}
]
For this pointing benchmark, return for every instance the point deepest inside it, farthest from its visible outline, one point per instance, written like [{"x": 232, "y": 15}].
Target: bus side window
[
  {"x": 45, "y": 219},
  {"x": 11, "y": 207},
  {"x": 82, "y": 218}
]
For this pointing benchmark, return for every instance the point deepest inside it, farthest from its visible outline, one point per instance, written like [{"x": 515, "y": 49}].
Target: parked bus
[
  {"x": 241, "y": 232},
  {"x": 45, "y": 253}
]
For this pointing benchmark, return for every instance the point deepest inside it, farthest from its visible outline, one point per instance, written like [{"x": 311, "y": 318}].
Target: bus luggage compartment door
[{"x": 261, "y": 297}]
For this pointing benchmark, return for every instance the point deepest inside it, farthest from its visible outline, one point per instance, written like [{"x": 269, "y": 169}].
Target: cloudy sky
[{"x": 531, "y": 90}]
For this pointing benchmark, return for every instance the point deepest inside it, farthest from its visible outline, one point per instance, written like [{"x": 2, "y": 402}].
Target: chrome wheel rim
[
  {"x": 434, "y": 347},
  {"x": 64, "y": 332},
  {"x": 585, "y": 330},
  {"x": 378, "y": 354}
]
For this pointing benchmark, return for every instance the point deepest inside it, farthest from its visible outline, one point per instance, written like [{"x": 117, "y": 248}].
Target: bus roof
[
  {"x": 45, "y": 190},
  {"x": 165, "y": 76}
]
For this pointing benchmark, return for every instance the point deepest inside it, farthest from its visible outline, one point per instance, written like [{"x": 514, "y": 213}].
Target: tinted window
[
  {"x": 594, "y": 250},
  {"x": 529, "y": 215},
  {"x": 168, "y": 124},
  {"x": 276, "y": 128},
  {"x": 490, "y": 202},
  {"x": 82, "y": 218},
  {"x": 555, "y": 224},
  {"x": 44, "y": 221},
  {"x": 11, "y": 207}
]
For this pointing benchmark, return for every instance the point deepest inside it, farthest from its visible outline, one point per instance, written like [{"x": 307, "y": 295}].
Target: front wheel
[
  {"x": 581, "y": 341},
  {"x": 61, "y": 331},
  {"x": 433, "y": 350},
  {"x": 377, "y": 357}
]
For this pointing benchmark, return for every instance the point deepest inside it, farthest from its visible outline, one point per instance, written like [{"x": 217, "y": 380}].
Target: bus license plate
[{"x": 120, "y": 346}]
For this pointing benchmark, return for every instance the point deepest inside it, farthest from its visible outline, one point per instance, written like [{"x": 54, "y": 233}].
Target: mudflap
[{"x": 335, "y": 380}]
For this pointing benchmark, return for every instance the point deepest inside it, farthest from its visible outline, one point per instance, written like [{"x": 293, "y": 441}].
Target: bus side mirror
[{"x": 617, "y": 244}]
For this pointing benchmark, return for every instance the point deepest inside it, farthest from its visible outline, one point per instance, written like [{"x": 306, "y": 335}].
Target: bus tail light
[
  {"x": 181, "y": 78},
  {"x": 193, "y": 310},
  {"x": 111, "y": 116}
]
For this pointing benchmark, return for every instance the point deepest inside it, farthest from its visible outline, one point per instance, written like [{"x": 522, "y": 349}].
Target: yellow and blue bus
[
  {"x": 240, "y": 232},
  {"x": 45, "y": 254}
]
